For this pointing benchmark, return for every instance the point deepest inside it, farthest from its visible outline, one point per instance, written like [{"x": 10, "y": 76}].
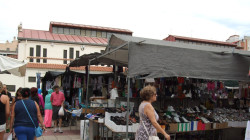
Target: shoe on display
[
  {"x": 175, "y": 114},
  {"x": 176, "y": 119},
  {"x": 203, "y": 107},
  {"x": 197, "y": 109},
  {"x": 171, "y": 108},
  {"x": 185, "y": 120},
  {"x": 172, "y": 96}
]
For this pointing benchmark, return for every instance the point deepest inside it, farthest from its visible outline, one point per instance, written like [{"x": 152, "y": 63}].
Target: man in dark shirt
[{"x": 5, "y": 92}]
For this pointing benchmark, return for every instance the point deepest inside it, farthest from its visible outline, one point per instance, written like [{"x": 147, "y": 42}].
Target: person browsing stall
[
  {"x": 148, "y": 116},
  {"x": 48, "y": 109},
  {"x": 4, "y": 111},
  {"x": 57, "y": 99},
  {"x": 23, "y": 120},
  {"x": 6, "y": 92}
]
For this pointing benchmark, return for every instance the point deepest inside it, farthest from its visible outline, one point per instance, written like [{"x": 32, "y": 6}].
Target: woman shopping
[
  {"x": 23, "y": 125},
  {"x": 148, "y": 116},
  {"x": 48, "y": 109},
  {"x": 4, "y": 111}
]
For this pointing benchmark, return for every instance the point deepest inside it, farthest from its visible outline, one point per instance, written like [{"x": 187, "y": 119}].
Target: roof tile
[{"x": 46, "y": 35}]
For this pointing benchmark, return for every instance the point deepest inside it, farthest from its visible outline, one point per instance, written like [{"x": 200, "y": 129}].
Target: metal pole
[
  {"x": 128, "y": 107},
  {"x": 86, "y": 101},
  {"x": 87, "y": 91}
]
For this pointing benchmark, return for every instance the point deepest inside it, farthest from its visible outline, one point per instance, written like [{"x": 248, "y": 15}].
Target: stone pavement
[
  {"x": 73, "y": 134},
  {"x": 68, "y": 134}
]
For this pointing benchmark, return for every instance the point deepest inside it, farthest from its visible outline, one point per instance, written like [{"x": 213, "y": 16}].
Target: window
[
  {"x": 31, "y": 79},
  {"x": 31, "y": 54},
  {"x": 99, "y": 34},
  {"x": 65, "y": 56},
  {"x": 11, "y": 88},
  {"x": 38, "y": 53},
  {"x": 93, "y": 33},
  {"x": 72, "y": 31},
  {"x": 66, "y": 31},
  {"x": 77, "y": 32},
  {"x": 54, "y": 30},
  {"x": 8, "y": 49},
  {"x": 83, "y": 32},
  {"x": 71, "y": 53},
  {"x": 60, "y": 30},
  {"x": 44, "y": 55},
  {"x": 109, "y": 35},
  {"x": 88, "y": 33},
  {"x": 104, "y": 34},
  {"x": 77, "y": 54}
]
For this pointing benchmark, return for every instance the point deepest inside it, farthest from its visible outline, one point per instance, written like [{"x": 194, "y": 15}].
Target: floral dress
[{"x": 141, "y": 133}]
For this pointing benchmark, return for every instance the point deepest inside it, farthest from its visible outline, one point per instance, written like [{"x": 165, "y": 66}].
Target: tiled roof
[
  {"x": 62, "y": 67},
  {"x": 39, "y": 35},
  {"x": 52, "y": 23},
  {"x": 200, "y": 40}
]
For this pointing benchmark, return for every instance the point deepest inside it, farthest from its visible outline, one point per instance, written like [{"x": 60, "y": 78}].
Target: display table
[{"x": 93, "y": 126}]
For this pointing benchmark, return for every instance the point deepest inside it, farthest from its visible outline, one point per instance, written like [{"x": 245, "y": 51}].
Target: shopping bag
[{"x": 61, "y": 112}]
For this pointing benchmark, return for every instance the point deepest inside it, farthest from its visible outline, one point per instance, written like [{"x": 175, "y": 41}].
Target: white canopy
[{"x": 12, "y": 66}]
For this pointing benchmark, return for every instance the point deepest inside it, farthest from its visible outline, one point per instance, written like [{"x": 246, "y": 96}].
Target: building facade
[
  {"x": 52, "y": 50},
  {"x": 9, "y": 48}
]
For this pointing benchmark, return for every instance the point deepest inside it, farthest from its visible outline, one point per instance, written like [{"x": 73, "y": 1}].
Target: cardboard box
[
  {"x": 224, "y": 125},
  {"x": 208, "y": 126},
  {"x": 173, "y": 127}
]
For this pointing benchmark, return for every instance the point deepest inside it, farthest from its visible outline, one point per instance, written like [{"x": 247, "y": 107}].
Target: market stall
[{"x": 148, "y": 58}]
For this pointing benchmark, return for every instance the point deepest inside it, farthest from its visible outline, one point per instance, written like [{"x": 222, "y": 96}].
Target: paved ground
[{"x": 72, "y": 133}]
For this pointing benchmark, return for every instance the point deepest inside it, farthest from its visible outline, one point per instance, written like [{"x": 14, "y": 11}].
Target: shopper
[
  {"x": 4, "y": 111},
  {"x": 23, "y": 125},
  {"x": 41, "y": 101},
  {"x": 6, "y": 92},
  {"x": 34, "y": 95},
  {"x": 148, "y": 116},
  {"x": 48, "y": 109},
  {"x": 18, "y": 96},
  {"x": 57, "y": 99}
]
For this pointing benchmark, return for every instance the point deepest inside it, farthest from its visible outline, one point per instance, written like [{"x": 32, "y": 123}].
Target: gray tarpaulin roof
[
  {"x": 84, "y": 60},
  {"x": 159, "y": 58}
]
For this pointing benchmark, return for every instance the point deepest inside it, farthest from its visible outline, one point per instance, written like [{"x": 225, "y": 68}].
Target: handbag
[
  {"x": 150, "y": 137},
  {"x": 38, "y": 130}
]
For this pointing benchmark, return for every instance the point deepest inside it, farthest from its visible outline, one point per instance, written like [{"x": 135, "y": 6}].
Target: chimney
[{"x": 20, "y": 27}]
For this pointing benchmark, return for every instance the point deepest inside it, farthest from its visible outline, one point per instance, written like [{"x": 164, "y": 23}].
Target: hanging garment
[
  {"x": 49, "y": 85},
  {"x": 67, "y": 81},
  {"x": 58, "y": 81}
]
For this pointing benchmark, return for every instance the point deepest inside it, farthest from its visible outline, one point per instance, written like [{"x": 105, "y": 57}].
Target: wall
[
  {"x": 54, "y": 50},
  {"x": 247, "y": 39}
]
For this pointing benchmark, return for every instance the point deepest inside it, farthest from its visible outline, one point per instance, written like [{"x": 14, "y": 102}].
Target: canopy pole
[
  {"x": 128, "y": 107},
  {"x": 87, "y": 90},
  {"x": 86, "y": 101},
  {"x": 128, "y": 104}
]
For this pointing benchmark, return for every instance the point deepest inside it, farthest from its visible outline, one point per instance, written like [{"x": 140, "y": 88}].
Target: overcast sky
[{"x": 208, "y": 19}]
